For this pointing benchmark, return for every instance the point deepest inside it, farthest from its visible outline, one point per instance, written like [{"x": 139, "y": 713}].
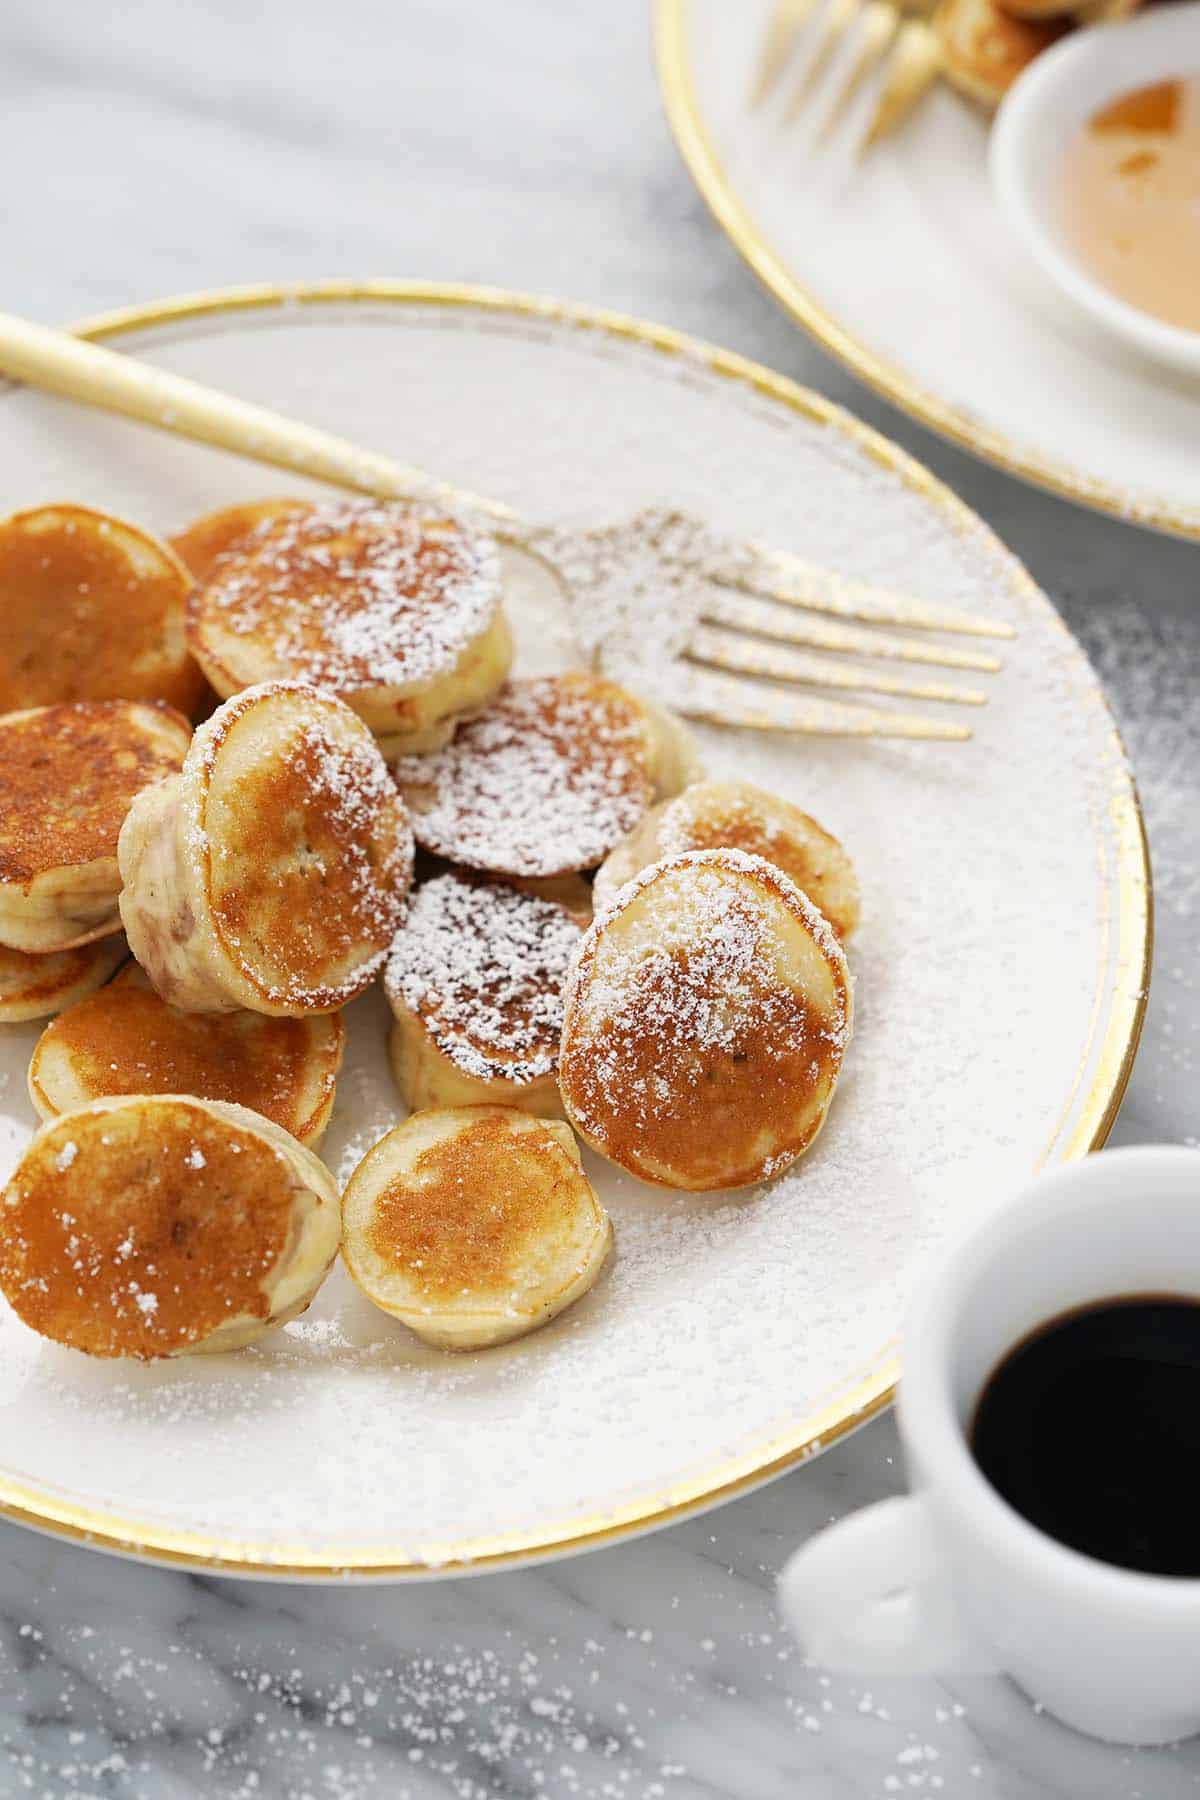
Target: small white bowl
[{"x": 1039, "y": 117}]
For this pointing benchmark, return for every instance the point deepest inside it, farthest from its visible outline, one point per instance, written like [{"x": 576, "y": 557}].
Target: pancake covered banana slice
[
  {"x": 91, "y": 608},
  {"x": 163, "y": 1225},
  {"x": 199, "y": 544},
  {"x": 733, "y": 815},
  {"x": 547, "y": 779},
  {"x": 127, "y": 1040},
  {"x": 474, "y": 1225},
  {"x": 33, "y": 987},
  {"x": 68, "y": 777},
  {"x": 394, "y": 607},
  {"x": 270, "y": 874},
  {"x": 707, "y": 1016},
  {"x": 475, "y": 980}
]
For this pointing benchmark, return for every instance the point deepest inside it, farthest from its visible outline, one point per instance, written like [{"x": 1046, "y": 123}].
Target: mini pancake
[
  {"x": 270, "y": 874},
  {"x": 984, "y": 49},
  {"x": 474, "y": 1225},
  {"x": 162, "y": 1225},
  {"x": 126, "y": 1040},
  {"x": 91, "y": 608},
  {"x": 199, "y": 544},
  {"x": 32, "y": 987},
  {"x": 395, "y": 608},
  {"x": 68, "y": 777},
  {"x": 475, "y": 980},
  {"x": 733, "y": 815},
  {"x": 707, "y": 1015},
  {"x": 546, "y": 780}
]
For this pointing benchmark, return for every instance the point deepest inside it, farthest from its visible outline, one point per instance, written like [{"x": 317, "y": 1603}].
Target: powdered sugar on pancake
[
  {"x": 665, "y": 1009},
  {"x": 546, "y": 780},
  {"x": 484, "y": 967},
  {"x": 354, "y": 594}
]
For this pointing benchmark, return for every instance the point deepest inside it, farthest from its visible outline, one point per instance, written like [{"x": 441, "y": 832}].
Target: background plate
[
  {"x": 1001, "y": 967},
  {"x": 901, "y": 265}
]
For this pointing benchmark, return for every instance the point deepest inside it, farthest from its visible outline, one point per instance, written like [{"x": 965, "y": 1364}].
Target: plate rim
[
  {"x": 1112, "y": 1043},
  {"x": 692, "y": 141}
]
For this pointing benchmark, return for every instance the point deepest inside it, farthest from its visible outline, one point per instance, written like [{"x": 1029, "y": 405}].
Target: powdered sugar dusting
[
  {"x": 337, "y": 780},
  {"x": 725, "y": 1324},
  {"x": 545, "y": 781},
  {"x": 484, "y": 967},
  {"x": 353, "y": 595},
  {"x": 701, "y": 978}
]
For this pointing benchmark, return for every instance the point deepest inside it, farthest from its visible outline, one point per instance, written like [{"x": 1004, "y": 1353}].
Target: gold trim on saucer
[
  {"x": 962, "y": 428},
  {"x": 1103, "y": 1072}
]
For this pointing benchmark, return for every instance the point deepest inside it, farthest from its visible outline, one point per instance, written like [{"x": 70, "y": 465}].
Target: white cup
[{"x": 951, "y": 1578}]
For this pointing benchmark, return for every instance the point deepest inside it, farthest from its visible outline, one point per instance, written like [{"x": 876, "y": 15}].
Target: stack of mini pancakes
[{"x": 573, "y": 927}]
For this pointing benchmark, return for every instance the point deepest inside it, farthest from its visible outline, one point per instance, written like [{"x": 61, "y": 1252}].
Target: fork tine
[
  {"x": 767, "y": 619},
  {"x": 838, "y": 17},
  {"x": 880, "y": 22},
  {"x": 778, "y": 662},
  {"x": 730, "y": 701},
  {"x": 913, "y": 67},
  {"x": 782, "y": 32},
  {"x": 775, "y": 575}
]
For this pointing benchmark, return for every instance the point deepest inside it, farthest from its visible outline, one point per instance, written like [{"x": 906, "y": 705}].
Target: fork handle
[{"x": 88, "y": 373}]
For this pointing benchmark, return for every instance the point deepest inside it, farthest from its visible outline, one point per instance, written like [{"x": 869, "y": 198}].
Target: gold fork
[
  {"x": 895, "y": 38},
  {"x": 724, "y": 629}
]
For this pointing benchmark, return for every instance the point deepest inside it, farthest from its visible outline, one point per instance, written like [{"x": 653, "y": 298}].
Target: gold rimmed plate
[
  {"x": 1001, "y": 971},
  {"x": 900, "y": 264}
]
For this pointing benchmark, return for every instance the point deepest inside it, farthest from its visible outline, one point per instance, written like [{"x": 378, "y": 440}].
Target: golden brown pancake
[
  {"x": 733, "y": 815},
  {"x": 984, "y": 49},
  {"x": 474, "y": 1225},
  {"x": 164, "y": 1225},
  {"x": 395, "y": 608},
  {"x": 543, "y": 782},
  {"x": 707, "y": 1016},
  {"x": 272, "y": 873},
  {"x": 33, "y": 987},
  {"x": 231, "y": 528},
  {"x": 126, "y": 1040},
  {"x": 68, "y": 777},
  {"x": 91, "y": 608},
  {"x": 476, "y": 980}
]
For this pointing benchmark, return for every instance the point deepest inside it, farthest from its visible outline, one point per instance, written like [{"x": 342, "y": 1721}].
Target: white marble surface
[{"x": 148, "y": 149}]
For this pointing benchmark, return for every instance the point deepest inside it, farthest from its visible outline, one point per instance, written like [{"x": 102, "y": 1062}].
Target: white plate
[
  {"x": 1000, "y": 979},
  {"x": 901, "y": 264}
]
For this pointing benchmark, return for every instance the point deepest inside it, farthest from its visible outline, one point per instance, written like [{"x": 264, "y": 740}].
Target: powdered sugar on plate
[{"x": 999, "y": 920}]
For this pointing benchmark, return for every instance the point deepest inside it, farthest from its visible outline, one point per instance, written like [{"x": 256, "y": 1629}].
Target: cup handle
[{"x": 871, "y": 1594}]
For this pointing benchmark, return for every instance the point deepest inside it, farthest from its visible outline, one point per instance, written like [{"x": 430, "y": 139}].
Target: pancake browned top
[
  {"x": 733, "y": 815},
  {"x": 483, "y": 967},
  {"x": 984, "y": 48},
  {"x": 91, "y": 608},
  {"x": 306, "y": 844},
  {"x": 351, "y": 595},
  {"x": 36, "y": 981},
  {"x": 691, "y": 1041},
  {"x": 68, "y": 775},
  {"x": 545, "y": 780},
  {"x": 139, "y": 1230},
  {"x": 126, "y": 1040},
  {"x": 478, "y": 1209},
  {"x": 200, "y": 544}
]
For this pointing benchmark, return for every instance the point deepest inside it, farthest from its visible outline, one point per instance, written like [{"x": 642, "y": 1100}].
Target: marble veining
[{"x": 150, "y": 150}]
